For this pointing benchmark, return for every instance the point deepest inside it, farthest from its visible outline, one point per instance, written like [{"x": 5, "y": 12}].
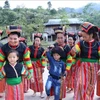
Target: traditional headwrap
[
  {"x": 72, "y": 35},
  {"x": 13, "y": 29},
  {"x": 60, "y": 30},
  {"x": 22, "y": 39},
  {"x": 39, "y": 35},
  {"x": 86, "y": 26},
  {"x": 79, "y": 33}
]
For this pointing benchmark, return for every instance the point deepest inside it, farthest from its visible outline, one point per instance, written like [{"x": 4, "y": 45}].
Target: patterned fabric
[
  {"x": 77, "y": 48},
  {"x": 86, "y": 26},
  {"x": 38, "y": 35},
  {"x": 14, "y": 92},
  {"x": 98, "y": 76},
  {"x": 69, "y": 62},
  {"x": 63, "y": 89},
  {"x": 70, "y": 79},
  {"x": 2, "y": 86},
  {"x": 60, "y": 30},
  {"x": 89, "y": 50},
  {"x": 98, "y": 86},
  {"x": 86, "y": 81},
  {"x": 13, "y": 28},
  {"x": 27, "y": 60},
  {"x": 13, "y": 80},
  {"x": 26, "y": 84},
  {"x": 44, "y": 60},
  {"x": 76, "y": 66},
  {"x": 36, "y": 56},
  {"x": 37, "y": 86},
  {"x": 24, "y": 54},
  {"x": 86, "y": 70}
]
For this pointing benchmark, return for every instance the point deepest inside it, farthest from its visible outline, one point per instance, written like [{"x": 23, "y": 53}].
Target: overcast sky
[{"x": 55, "y": 3}]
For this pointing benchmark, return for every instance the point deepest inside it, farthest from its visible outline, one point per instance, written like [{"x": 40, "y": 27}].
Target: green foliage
[
  {"x": 32, "y": 20},
  {"x": 91, "y": 15}
]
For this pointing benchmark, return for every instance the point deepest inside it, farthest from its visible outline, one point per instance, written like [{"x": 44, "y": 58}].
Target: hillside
[{"x": 95, "y": 6}]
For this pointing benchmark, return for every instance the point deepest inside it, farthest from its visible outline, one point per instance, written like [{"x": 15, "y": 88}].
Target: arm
[
  {"x": 48, "y": 54},
  {"x": 69, "y": 62},
  {"x": 68, "y": 58},
  {"x": 27, "y": 61},
  {"x": 45, "y": 57},
  {"x": 25, "y": 72},
  {"x": 2, "y": 74},
  {"x": 63, "y": 70},
  {"x": 76, "y": 49},
  {"x": 2, "y": 58}
]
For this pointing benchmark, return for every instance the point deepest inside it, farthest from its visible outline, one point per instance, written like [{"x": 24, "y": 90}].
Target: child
[
  {"x": 13, "y": 72},
  {"x": 56, "y": 71}
]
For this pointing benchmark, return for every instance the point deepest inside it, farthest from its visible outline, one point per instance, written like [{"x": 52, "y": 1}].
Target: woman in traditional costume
[
  {"x": 89, "y": 50},
  {"x": 36, "y": 52}
]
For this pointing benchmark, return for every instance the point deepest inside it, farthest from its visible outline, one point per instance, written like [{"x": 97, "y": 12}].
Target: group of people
[{"x": 73, "y": 64}]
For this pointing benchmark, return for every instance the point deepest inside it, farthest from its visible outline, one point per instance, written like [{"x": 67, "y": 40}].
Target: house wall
[
  {"x": 73, "y": 28},
  {"x": 51, "y": 35}
]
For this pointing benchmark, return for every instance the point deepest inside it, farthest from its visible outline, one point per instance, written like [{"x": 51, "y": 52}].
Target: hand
[
  {"x": 98, "y": 73},
  {"x": 51, "y": 46},
  {"x": 32, "y": 80},
  {"x": 64, "y": 77},
  {"x": 66, "y": 73},
  {"x": 48, "y": 67},
  {"x": 42, "y": 70},
  {"x": 47, "y": 50}
]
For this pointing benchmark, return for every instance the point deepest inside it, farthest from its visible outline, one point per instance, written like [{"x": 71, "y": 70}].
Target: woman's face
[
  {"x": 37, "y": 41},
  {"x": 86, "y": 37},
  {"x": 13, "y": 39},
  {"x": 70, "y": 41},
  {"x": 60, "y": 38}
]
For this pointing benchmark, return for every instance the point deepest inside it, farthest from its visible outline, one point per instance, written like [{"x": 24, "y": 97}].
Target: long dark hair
[{"x": 94, "y": 32}]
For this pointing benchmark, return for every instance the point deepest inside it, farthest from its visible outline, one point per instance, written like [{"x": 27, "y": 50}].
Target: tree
[
  {"x": 49, "y": 5},
  {"x": 53, "y": 11},
  {"x": 91, "y": 15},
  {"x": 63, "y": 16},
  {"x": 6, "y": 5}
]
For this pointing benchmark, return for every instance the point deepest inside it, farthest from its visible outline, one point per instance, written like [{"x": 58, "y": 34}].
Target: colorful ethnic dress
[
  {"x": 35, "y": 54},
  {"x": 24, "y": 56},
  {"x": 87, "y": 71},
  {"x": 13, "y": 76}
]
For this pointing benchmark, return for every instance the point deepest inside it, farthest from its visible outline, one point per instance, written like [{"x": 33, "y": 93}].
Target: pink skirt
[
  {"x": 14, "y": 92},
  {"x": 86, "y": 81}
]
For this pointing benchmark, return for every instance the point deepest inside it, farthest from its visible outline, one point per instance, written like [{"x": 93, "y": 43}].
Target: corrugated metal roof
[{"x": 59, "y": 21}]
